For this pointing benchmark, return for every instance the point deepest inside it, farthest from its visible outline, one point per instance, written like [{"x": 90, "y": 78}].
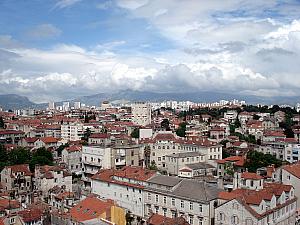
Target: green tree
[
  {"x": 181, "y": 130},
  {"x": 19, "y": 156},
  {"x": 61, "y": 148},
  {"x": 87, "y": 134},
  {"x": 153, "y": 165},
  {"x": 257, "y": 160},
  {"x": 165, "y": 124},
  {"x": 41, "y": 157},
  {"x": 135, "y": 133}
]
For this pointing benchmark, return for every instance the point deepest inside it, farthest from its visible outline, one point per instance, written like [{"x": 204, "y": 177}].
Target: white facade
[
  {"x": 141, "y": 113},
  {"x": 72, "y": 132},
  {"x": 72, "y": 160}
]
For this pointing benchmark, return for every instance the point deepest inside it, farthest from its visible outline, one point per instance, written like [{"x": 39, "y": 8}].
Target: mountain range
[{"x": 13, "y": 101}]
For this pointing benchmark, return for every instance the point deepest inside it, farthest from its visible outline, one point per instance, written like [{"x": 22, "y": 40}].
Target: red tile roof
[
  {"x": 31, "y": 215},
  {"x": 21, "y": 168},
  {"x": 157, "y": 219},
  {"x": 90, "y": 208},
  {"x": 131, "y": 172},
  {"x": 294, "y": 169},
  {"x": 237, "y": 160},
  {"x": 251, "y": 176},
  {"x": 48, "y": 140}
]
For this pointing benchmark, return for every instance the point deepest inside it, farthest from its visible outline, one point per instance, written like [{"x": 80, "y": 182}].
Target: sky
[{"x": 52, "y": 50}]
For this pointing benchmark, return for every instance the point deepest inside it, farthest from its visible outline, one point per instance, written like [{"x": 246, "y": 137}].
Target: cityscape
[{"x": 147, "y": 112}]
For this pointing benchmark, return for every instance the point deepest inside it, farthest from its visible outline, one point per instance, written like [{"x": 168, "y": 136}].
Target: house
[
  {"x": 47, "y": 177},
  {"x": 176, "y": 197},
  {"x": 230, "y": 165},
  {"x": 176, "y": 161},
  {"x": 195, "y": 170},
  {"x": 18, "y": 180},
  {"x": 217, "y": 133},
  {"x": 72, "y": 157},
  {"x": 271, "y": 203},
  {"x": 124, "y": 186},
  {"x": 99, "y": 139},
  {"x": 11, "y": 136},
  {"x": 47, "y": 142},
  {"x": 92, "y": 208},
  {"x": 157, "y": 219},
  {"x": 31, "y": 216},
  {"x": 290, "y": 175},
  {"x": 94, "y": 158}
]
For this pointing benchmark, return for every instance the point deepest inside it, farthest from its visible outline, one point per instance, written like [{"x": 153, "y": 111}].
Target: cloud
[
  {"x": 6, "y": 41},
  {"x": 65, "y": 3},
  {"x": 43, "y": 31}
]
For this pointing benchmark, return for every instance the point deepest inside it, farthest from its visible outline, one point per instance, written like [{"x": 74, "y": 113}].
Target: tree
[
  {"x": 135, "y": 133},
  {"x": 2, "y": 125},
  {"x": 181, "y": 130},
  {"x": 19, "y": 156},
  {"x": 41, "y": 157},
  {"x": 61, "y": 148},
  {"x": 153, "y": 165},
  {"x": 257, "y": 160},
  {"x": 165, "y": 124},
  {"x": 3, "y": 157},
  {"x": 129, "y": 218},
  {"x": 87, "y": 134}
]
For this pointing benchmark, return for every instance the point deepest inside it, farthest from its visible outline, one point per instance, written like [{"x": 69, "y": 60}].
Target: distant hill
[{"x": 13, "y": 101}]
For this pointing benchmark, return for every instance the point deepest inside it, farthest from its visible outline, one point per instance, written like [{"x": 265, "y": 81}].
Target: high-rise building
[
  {"x": 77, "y": 105},
  {"x": 141, "y": 113},
  {"x": 51, "y": 105},
  {"x": 66, "y": 106}
]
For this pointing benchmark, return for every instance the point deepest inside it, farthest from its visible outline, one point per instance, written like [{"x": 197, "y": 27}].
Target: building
[
  {"x": 230, "y": 165},
  {"x": 141, "y": 113},
  {"x": 51, "y": 106},
  {"x": 72, "y": 157},
  {"x": 124, "y": 186},
  {"x": 176, "y": 197},
  {"x": 290, "y": 175},
  {"x": 72, "y": 131},
  {"x": 271, "y": 203},
  {"x": 195, "y": 170},
  {"x": 77, "y": 105},
  {"x": 17, "y": 179},
  {"x": 90, "y": 209},
  {"x": 176, "y": 161},
  {"x": 48, "y": 177},
  {"x": 94, "y": 158}
]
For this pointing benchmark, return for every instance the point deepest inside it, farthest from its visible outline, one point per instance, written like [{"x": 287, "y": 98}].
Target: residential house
[
  {"x": 72, "y": 157},
  {"x": 176, "y": 197},
  {"x": 124, "y": 186}
]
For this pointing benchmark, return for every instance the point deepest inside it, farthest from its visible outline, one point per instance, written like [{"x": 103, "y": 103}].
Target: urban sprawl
[{"x": 162, "y": 163}]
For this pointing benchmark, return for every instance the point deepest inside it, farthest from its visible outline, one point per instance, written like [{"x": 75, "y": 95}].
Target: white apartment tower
[
  {"x": 51, "y": 105},
  {"x": 77, "y": 105},
  {"x": 141, "y": 113}
]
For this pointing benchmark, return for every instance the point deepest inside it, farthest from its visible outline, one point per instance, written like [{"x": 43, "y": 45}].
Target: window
[
  {"x": 165, "y": 211},
  {"x": 149, "y": 196},
  {"x": 156, "y": 198},
  {"x": 221, "y": 216},
  {"x": 156, "y": 209},
  {"x": 191, "y": 206},
  {"x": 181, "y": 204},
  {"x": 249, "y": 221},
  {"x": 173, "y": 201},
  {"x": 191, "y": 219},
  {"x": 165, "y": 200},
  {"x": 234, "y": 219},
  {"x": 174, "y": 214},
  {"x": 200, "y": 208}
]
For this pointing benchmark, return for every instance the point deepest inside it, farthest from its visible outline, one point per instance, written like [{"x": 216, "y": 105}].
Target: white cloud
[
  {"x": 65, "y": 3},
  {"x": 43, "y": 31}
]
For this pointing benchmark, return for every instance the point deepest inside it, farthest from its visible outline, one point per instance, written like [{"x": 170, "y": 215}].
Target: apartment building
[
  {"x": 72, "y": 157},
  {"x": 268, "y": 203},
  {"x": 141, "y": 113},
  {"x": 175, "y": 197},
  {"x": 47, "y": 177},
  {"x": 124, "y": 186},
  {"x": 94, "y": 158},
  {"x": 72, "y": 131}
]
